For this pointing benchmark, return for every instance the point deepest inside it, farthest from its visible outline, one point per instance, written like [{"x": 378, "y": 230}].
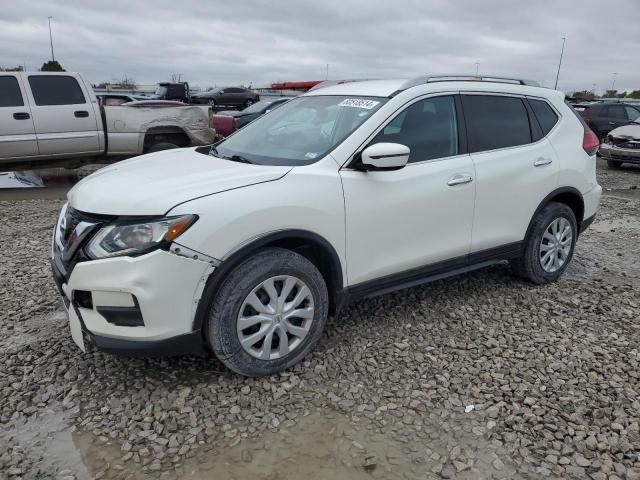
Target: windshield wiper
[{"x": 238, "y": 158}]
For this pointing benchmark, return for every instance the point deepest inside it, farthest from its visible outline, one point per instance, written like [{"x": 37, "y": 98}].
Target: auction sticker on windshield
[{"x": 358, "y": 103}]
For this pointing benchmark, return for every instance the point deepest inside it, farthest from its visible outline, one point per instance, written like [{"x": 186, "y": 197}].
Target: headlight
[{"x": 135, "y": 238}]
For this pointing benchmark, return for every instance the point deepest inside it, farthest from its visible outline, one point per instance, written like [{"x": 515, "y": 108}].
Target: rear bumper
[{"x": 611, "y": 152}]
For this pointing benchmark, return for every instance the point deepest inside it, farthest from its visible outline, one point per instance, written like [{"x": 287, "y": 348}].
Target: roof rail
[{"x": 466, "y": 78}]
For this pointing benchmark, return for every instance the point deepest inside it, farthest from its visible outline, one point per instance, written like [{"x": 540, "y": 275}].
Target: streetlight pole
[
  {"x": 560, "y": 63},
  {"x": 53, "y": 59},
  {"x": 477, "y": 67},
  {"x": 613, "y": 84}
]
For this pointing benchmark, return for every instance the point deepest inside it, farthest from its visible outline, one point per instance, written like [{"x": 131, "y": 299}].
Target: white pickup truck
[{"x": 46, "y": 115}]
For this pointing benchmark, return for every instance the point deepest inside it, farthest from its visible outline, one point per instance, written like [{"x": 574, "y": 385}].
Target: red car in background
[{"x": 225, "y": 123}]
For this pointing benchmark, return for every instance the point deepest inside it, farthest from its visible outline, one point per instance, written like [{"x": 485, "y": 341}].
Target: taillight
[
  {"x": 590, "y": 141},
  {"x": 587, "y": 120},
  {"x": 233, "y": 122}
]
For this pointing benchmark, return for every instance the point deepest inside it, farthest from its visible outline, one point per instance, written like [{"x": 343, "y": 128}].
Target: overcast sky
[{"x": 211, "y": 42}]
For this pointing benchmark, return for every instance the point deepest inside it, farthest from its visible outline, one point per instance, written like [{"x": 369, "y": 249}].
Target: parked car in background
[
  {"x": 237, "y": 97},
  {"x": 604, "y": 117},
  {"x": 113, "y": 99},
  {"x": 47, "y": 115},
  {"x": 622, "y": 145},
  {"x": 247, "y": 246},
  {"x": 229, "y": 121},
  {"x": 178, "y": 91}
]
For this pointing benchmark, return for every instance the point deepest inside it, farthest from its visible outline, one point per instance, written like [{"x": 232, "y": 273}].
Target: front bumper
[
  {"x": 617, "y": 154},
  {"x": 161, "y": 289}
]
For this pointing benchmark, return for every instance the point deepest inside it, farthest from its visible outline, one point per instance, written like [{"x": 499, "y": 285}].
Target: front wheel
[
  {"x": 248, "y": 103},
  {"x": 268, "y": 314},
  {"x": 613, "y": 164},
  {"x": 549, "y": 246}
]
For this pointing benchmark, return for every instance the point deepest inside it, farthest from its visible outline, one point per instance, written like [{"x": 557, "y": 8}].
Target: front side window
[
  {"x": 428, "y": 127},
  {"x": 300, "y": 132},
  {"x": 547, "y": 117},
  {"x": 10, "y": 95},
  {"x": 56, "y": 90},
  {"x": 495, "y": 122}
]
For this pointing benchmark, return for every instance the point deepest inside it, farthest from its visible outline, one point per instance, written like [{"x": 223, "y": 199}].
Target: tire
[
  {"x": 212, "y": 103},
  {"x": 530, "y": 266},
  {"x": 156, "y": 147},
  {"x": 614, "y": 164},
  {"x": 248, "y": 103},
  {"x": 272, "y": 267}
]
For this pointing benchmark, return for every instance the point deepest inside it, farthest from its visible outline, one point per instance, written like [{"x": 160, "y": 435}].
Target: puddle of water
[
  {"x": 46, "y": 183},
  {"x": 320, "y": 445},
  {"x": 606, "y": 226}
]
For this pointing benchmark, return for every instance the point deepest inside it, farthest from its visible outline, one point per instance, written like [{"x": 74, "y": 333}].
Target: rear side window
[
  {"x": 547, "y": 118},
  {"x": 495, "y": 122},
  {"x": 632, "y": 113},
  {"x": 615, "y": 111},
  {"x": 56, "y": 90},
  {"x": 10, "y": 95}
]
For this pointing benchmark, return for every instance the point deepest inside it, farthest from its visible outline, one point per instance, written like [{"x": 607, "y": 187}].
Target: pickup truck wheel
[
  {"x": 548, "y": 248},
  {"x": 268, "y": 314},
  {"x": 613, "y": 164},
  {"x": 156, "y": 147}
]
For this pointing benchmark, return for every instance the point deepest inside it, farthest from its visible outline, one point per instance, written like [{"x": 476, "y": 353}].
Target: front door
[
  {"x": 63, "y": 116},
  {"x": 17, "y": 134},
  {"x": 420, "y": 215}
]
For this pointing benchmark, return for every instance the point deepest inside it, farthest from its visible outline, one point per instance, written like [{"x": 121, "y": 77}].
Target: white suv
[{"x": 349, "y": 191}]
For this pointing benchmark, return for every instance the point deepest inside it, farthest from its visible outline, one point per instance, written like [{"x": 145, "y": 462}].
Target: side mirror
[{"x": 385, "y": 156}]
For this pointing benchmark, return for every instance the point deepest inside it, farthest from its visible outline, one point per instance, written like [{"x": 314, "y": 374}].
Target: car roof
[{"x": 388, "y": 88}]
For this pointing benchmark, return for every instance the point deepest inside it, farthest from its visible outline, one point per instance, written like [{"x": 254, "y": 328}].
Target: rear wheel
[
  {"x": 614, "y": 164},
  {"x": 268, "y": 314},
  {"x": 549, "y": 247}
]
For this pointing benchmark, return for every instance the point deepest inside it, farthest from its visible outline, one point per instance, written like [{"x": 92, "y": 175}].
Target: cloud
[{"x": 258, "y": 42}]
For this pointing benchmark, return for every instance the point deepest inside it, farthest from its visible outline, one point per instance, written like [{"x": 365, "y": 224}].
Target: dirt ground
[{"x": 478, "y": 376}]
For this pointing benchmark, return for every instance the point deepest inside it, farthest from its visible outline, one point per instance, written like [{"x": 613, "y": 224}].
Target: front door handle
[
  {"x": 21, "y": 116},
  {"x": 542, "y": 161},
  {"x": 81, "y": 113},
  {"x": 612, "y": 123},
  {"x": 459, "y": 179}
]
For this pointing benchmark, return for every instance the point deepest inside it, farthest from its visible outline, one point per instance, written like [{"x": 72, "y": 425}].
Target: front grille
[{"x": 74, "y": 228}]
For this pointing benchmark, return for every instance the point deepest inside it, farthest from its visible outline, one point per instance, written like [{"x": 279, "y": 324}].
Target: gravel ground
[{"x": 479, "y": 376}]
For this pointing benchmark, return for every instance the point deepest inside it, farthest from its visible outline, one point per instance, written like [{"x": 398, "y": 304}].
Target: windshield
[{"x": 301, "y": 131}]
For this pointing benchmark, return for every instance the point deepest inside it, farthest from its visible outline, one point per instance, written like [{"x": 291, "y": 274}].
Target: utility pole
[
  {"x": 560, "y": 63},
  {"x": 613, "y": 84},
  {"x": 477, "y": 67},
  {"x": 53, "y": 59},
  {"x": 327, "y": 73}
]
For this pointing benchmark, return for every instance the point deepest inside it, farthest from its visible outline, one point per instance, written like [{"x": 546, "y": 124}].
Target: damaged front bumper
[{"x": 621, "y": 150}]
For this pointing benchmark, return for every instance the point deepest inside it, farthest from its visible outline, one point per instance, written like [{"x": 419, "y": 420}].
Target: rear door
[
  {"x": 614, "y": 116},
  {"x": 17, "y": 133},
  {"x": 63, "y": 116},
  {"x": 515, "y": 168}
]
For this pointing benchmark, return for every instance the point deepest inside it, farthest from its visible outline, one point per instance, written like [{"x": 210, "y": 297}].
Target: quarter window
[
  {"x": 632, "y": 113},
  {"x": 10, "y": 95},
  {"x": 547, "y": 118},
  {"x": 495, "y": 122},
  {"x": 56, "y": 90},
  {"x": 428, "y": 127}
]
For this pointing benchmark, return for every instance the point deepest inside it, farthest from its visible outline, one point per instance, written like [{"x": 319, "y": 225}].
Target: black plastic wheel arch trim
[{"x": 219, "y": 274}]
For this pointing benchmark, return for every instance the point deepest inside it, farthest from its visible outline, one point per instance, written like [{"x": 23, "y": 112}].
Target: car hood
[
  {"x": 152, "y": 184},
  {"x": 631, "y": 132}
]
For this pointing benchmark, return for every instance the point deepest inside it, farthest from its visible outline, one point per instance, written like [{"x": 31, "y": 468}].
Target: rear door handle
[
  {"x": 21, "y": 116},
  {"x": 542, "y": 161},
  {"x": 459, "y": 179},
  {"x": 81, "y": 113}
]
